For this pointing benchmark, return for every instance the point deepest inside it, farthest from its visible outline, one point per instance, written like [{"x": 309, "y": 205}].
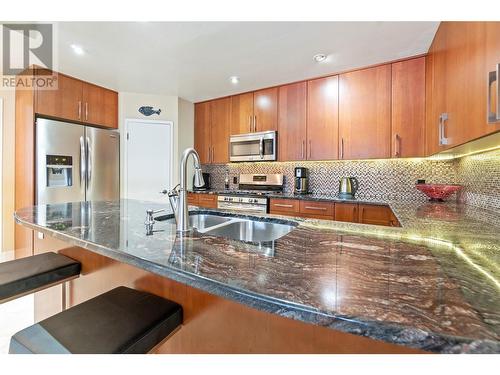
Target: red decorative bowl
[{"x": 438, "y": 192}]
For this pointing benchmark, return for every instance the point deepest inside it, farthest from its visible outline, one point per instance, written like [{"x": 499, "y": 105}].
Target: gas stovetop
[{"x": 251, "y": 193}]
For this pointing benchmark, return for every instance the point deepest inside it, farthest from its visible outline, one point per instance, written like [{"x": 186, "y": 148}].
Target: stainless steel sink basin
[
  {"x": 203, "y": 221},
  {"x": 234, "y": 227},
  {"x": 251, "y": 231}
]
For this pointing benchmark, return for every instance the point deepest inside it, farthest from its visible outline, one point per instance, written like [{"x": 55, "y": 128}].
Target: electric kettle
[{"x": 348, "y": 186}]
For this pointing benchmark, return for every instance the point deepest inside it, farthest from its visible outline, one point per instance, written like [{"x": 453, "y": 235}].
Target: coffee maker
[{"x": 301, "y": 180}]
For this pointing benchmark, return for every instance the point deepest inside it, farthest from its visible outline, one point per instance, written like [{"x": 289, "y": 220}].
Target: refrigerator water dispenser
[{"x": 59, "y": 170}]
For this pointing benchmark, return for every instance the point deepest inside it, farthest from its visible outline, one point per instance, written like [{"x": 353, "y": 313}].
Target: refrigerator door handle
[
  {"x": 89, "y": 163},
  {"x": 83, "y": 168}
]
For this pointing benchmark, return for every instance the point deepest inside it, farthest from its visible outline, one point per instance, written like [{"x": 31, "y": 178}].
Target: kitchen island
[{"x": 431, "y": 285}]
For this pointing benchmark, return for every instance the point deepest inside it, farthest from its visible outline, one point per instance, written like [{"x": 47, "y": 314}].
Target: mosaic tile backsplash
[
  {"x": 385, "y": 179},
  {"x": 378, "y": 179},
  {"x": 480, "y": 176}
]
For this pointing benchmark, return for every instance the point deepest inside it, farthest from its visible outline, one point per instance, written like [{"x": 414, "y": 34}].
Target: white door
[{"x": 148, "y": 159}]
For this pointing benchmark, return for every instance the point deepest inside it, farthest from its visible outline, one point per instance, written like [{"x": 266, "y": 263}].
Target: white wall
[
  {"x": 7, "y": 148},
  {"x": 179, "y": 111}
]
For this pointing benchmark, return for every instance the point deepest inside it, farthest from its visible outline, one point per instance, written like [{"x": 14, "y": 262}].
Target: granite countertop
[
  {"x": 308, "y": 197},
  {"x": 433, "y": 284}
]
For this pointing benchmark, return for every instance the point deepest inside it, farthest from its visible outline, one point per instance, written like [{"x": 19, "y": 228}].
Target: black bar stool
[
  {"x": 122, "y": 320},
  {"x": 28, "y": 275}
]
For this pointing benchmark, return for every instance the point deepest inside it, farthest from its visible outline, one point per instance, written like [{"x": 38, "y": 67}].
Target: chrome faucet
[{"x": 178, "y": 195}]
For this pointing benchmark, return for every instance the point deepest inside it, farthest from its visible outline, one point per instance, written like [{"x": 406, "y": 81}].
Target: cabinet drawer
[
  {"x": 316, "y": 208},
  {"x": 192, "y": 199},
  {"x": 207, "y": 200},
  {"x": 377, "y": 215},
  {"x": 346, "y": 212},
  {"x": 284, "y": 206}
]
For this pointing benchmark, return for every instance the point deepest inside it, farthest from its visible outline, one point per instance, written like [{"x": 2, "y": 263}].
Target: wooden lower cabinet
[
  {"x": 202, "y": 200},
  {"x": 377, "y": 215},
  {"x": 288, "y": 207},
  {"x": 317, "y": 210},
  {"x": 338, "y": 211},
  {"x": 346, "y": 212},
  {"x": 192, "y": 199}
]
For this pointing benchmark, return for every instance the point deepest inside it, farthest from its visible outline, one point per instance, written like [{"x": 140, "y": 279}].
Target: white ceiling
[{"x": 194, "y": 60}]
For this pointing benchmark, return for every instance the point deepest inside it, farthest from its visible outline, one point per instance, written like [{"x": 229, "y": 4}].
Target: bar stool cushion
[
  {"x": 26, "y": 275},
  {"x": 122, "y": 320}
]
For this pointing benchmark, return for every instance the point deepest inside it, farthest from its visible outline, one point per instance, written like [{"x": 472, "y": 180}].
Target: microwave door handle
[{"x": 261, "y": 148}]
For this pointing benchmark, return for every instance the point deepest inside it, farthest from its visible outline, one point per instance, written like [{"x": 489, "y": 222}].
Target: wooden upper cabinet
[
  {"x": 75, "y": 100},
  {"x": 242, "y": 120},
  {"x": 435, "y": 92},
  {"x": 365, "y": 113},
  {"x": 202, "y": 142},
  {"x": 64, "y": 103},
  {"x": 265, "y": 108},
  {"x": 292, "y": 122},
  {"x": 461, "y": 56},
  {"x": 322, "y": 118},
  {"x": 492, "y": 60},
  {"x": 220, "y": 117},
  {"x": 100, "y": 106},
  {"x": 408, "y": 108}
]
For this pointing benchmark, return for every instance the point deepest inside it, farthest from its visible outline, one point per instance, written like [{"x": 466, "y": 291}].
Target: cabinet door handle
[
  {"x": 342, "y": 148},
  {"x": 493, "y": 116},
  {"x": 208, "y": 155},
  {"x": 250, "y": 124},
  {"x": 442, "y": 139},
  {"x": 86, "y": 111},
  {"x": 79, "y": 110},
  {"x": 310, "y": 149},
  {"x": 397, "y": 145},
  {"x": 212, "y": 154},
  {"x": 302, "y": 150},
  {"x": 283, "y": 205},
  {"x": 315, "y": 208},
  {"x": 255, "y": 123}
]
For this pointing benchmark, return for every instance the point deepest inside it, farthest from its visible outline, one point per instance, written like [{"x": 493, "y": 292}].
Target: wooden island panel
[{"x": 213, "y": 324}]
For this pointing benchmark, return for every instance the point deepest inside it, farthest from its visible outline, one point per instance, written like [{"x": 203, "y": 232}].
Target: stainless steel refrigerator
[{"x": 76, "y": 163}]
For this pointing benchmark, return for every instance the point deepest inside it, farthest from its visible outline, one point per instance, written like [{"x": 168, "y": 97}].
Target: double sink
[{"x": 236, "y": 228}]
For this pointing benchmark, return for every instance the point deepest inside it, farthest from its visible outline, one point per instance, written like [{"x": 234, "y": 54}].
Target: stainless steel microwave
[{"x": 253, "y": 147}]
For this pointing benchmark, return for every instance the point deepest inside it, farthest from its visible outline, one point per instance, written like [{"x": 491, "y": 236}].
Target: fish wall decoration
[{"x": 148, "y": 111}]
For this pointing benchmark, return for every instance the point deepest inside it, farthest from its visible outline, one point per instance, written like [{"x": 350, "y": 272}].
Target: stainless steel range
[{"x": 252, "y": 192}]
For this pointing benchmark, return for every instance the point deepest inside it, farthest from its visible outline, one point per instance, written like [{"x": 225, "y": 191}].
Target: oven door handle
[{"x": 261, "y": 147}]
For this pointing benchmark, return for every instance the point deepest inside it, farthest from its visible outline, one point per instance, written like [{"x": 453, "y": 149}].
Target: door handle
[
  {"x": 442, "y": 139},
  {"x": 493, "y": 116},
  {"x": 89, "y": 162},
  {"x": 261, "y": 147},
  {"x": 86, "y": 111},
  {"x": 397, "y": 145},
  {"x": 250, "y": 123},
  {"x": 255, "y": 123},
  {"x": 342, "y": 148},
  {"x": 83, "y": 168},
  {"x": 79, "y": 110},
  {"x": 310, "y": 150},
  {"x": 315, "y": 208}
]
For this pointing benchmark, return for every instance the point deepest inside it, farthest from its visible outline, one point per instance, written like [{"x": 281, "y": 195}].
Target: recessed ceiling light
[
  {"x": 77, "y": 49},
  {"x": 234, "y": 80},
  {"x": 319, "y": 57}
]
